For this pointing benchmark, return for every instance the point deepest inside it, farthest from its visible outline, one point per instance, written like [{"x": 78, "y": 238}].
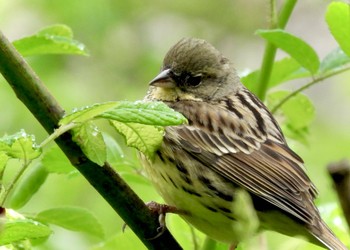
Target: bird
[{"x": 231, "y": 143}]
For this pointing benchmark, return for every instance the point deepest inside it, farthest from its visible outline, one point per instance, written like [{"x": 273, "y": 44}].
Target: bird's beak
[{"x": 163, "y": 80}]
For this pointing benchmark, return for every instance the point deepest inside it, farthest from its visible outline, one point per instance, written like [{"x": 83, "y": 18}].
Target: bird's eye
[{"x": 194, "y": 81}]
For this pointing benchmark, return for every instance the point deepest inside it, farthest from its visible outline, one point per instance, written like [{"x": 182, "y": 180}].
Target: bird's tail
[{"x": 328, "y": 238}]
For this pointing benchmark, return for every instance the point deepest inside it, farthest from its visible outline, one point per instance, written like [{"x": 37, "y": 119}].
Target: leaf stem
[
  {"x": 25, "y": 164},
  {"x": 306, "y": 86},
  {"x": 13, "y": 182},
  {"x": 270, "y": 49},
  {"x": 57, "y": 133}
]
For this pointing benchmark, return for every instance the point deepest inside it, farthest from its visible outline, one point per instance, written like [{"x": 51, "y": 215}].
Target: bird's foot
[{"x": 162, "y": 210}]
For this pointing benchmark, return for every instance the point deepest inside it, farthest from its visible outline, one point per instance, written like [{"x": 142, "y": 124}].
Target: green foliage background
[{"x": 127, "y": 41}]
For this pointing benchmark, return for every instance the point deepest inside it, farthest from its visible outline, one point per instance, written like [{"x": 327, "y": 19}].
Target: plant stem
[
  {"x": 285, "y": 13},
  {"x": 270, "y": 49},
  {"x": 57, "y": 133},
  {"x": 306, "y": 86},
  {"x": 31, "y": 91},
  {"x": 25, "y": 165},
  {"x": 13, "y": 182}
]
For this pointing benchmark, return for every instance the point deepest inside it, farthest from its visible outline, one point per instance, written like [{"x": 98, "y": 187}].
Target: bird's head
[{"x": 194, "y": 70}]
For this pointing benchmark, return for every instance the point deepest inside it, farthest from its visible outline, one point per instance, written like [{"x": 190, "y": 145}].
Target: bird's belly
[{"x": 207, "y": 208}]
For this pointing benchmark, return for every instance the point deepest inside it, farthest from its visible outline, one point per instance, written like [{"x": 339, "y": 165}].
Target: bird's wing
[{"x": 243, "y": 143}]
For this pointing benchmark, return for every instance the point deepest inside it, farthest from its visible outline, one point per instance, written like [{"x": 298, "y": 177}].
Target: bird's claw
[{"x": 161, "y": 210}]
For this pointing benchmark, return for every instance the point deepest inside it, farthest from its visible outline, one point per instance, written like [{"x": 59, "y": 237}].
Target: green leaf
[
  {"x": 338, "y": 20},
  {"x": 335, "y": 60},
  {"x": 87, "y": 113},
  {"x": 72, "y": 218},
  {"x": 90, "y": 140},
  {"x": 247, "y": 220},
  {"x": 251, "y": 81},
  {"x": 20, "y": 146},
  {"x": 129, "y": 118},
  {"x": 28, "y": 186},
  {"x": 3, "y": 161},
  {"x": 22, "y": 229},
  {"x": 149, "y": 113},
  {"x": 115, "y": 153},
  {"x": 55, "y": 161},
  {"x": 145, "y": 138},
  {"x": 126, "y": 240},
  {"x": 185, "y": 234},
  {"x": 298, "y": 113},
  {"x": 294, "y": 46},
  {"x": 284, "y": 70},
  {"x": 56, "y": 39},
  {"x": 134, "y": 115}
]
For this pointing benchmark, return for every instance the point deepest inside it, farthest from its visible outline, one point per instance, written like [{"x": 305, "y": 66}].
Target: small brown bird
[{"x": 231, "y": 143}]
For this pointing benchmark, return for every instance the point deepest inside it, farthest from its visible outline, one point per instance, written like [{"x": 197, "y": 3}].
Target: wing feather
[{"x": 238, "y": 149}]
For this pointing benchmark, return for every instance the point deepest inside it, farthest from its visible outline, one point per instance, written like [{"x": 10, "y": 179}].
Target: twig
[{"x": 306, "y": 86}]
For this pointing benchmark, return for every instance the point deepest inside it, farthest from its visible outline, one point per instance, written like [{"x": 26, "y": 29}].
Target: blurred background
[{"x": 127, "y": 41}]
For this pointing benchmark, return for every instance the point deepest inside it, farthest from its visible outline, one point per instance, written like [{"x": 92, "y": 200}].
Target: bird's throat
[{"x": 170, "y": 94}]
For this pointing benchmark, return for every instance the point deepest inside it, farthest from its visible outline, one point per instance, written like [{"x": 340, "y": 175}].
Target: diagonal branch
[{"x": 35, "y": 96}]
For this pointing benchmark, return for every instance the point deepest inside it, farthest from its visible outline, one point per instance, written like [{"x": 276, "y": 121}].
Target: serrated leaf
[
  {"x": 298, "y": 49},
  {"x": 20, "y": 146},
  {"x": 55, "y": 161},
  {"x": 91, "y": 142},
  {"x": 28, "y": 186},
  {"x": 145, "y": 138},
  {"x": 23, "y": 148},
  {"x": 335, "y": 60},
  {"x": 56, "y": 39},
  {"x": 338, "y": 20},
  {"x": 149, "y": 113},
  {"x": 72, "y": 218},
  {"x": 284, "y": 70},
  {"x": 87, "y": 113},
  {"x": 298, "y": 113},
  {"x": 22, "y": 229},
  {"x": 130, "y": 119}
]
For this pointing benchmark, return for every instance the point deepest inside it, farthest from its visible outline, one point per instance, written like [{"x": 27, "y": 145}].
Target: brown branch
[
  {"x": 35, "y": 96},
  {"x": 340, "y": 173}
]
